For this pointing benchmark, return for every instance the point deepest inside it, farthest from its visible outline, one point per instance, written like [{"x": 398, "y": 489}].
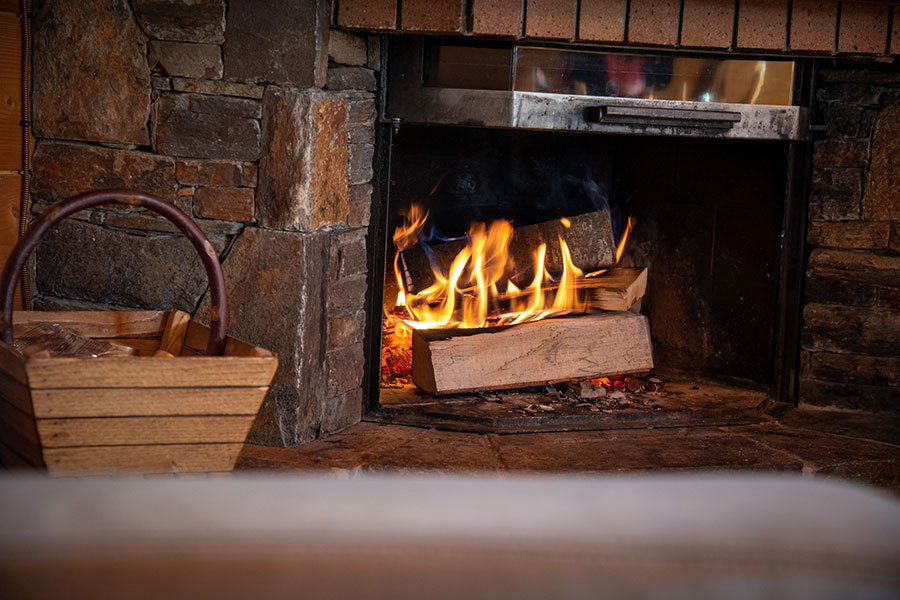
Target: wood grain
[
  {"x": 618, "y": 289},
  {"x": 552, "y": 350},
  {"x": 10, "y": 459},
  {"x": 12, "y": 363},
  {"x": 105, "y": 402},
  {"x": 149, "y": 371},
  {"x": 174, "y": 331},
  {"x": 198, "y": 335},
  {"x": 101, "y": 324},
  {"x": 60, "y": 433},
  {"x": 178, "y": 458},
  {"x": 19, "y": 420},
  {"x": 28, "y": 449},
  {"x": 10, "y": 92}
]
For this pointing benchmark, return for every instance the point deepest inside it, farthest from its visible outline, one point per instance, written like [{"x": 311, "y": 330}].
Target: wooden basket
[{"x": 139, "y": 413}]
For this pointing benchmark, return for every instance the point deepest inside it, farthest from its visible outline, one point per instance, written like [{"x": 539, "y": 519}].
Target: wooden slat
[
  {"x": 144, "y": 346},
  {"x": 103, "y": 402},
  {"x": 60, "y": 433},
  {"x": 145, "y": 459},
  {"x": 198, "y": 335},
  {"x": 10, "y": 197},
  {"x": 12, "y": 363},
  {"x": 100, "y": 324},
  {"x": 16, "y": 441},
  {"x": 173, "y": 334},
  {"x": 148, "y": 371},
  {"x": 450, "y": 361},
  {"x": 11, "y": 460},
  {"x": 15, "y": 392},
  {"x": 20, "y": 421}
]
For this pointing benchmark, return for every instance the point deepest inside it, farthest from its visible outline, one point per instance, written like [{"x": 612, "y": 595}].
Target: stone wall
[
  {"x": 851, "y": 332},
  {"x": 240, "y": 117}
]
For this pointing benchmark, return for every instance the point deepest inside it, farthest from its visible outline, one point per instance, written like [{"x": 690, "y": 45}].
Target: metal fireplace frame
[{"x": 403, "y": 99}]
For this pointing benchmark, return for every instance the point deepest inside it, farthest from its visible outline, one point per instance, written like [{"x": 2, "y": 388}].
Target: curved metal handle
[{"x": 56, "y": 213}]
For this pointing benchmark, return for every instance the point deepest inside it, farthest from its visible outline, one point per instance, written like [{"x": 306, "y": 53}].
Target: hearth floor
[{"x": 863, "y": 447}]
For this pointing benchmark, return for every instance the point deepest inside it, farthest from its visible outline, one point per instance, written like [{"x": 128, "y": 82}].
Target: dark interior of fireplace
[{"x": 707, "y": 217}]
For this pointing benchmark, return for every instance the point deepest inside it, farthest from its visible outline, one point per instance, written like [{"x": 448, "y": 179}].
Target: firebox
[{"x": 575, "y": 239}]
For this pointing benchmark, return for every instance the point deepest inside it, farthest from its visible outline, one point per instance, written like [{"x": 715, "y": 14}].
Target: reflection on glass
[
  {"x": 663, "y": 77},
  {"x": 654, "y": 77}
]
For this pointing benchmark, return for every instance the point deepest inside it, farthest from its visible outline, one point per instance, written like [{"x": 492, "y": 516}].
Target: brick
[
  {"x": 602, "y": 20},
  {"x": 87, "y": 262},
  {"x": 654, "y": 22},
  {"x": 872, "y": 370},
  {"x": 197, "y": 126},
  {"x": 853, "y": 93},
  {"x": 881, "y": 201},
  {"x": 282, "y": 273},
  {"x": 431, "y": 15},
  {"x": 889, "y": 297},
  {"x": 353, "y": 253},
  {"x": 347, "y": 329},
  {"x": 342, "y": 411},
  {"x": 835, "y": 194},
  {"x": 707, "y": 23},
  {"x": 826, "y": 290},
  {"x": 225, "y": 203},
  {"x": 841, "y": 153},
  {"x": 350, "y": 78},
  {"x": 859, "y": 235},
  {"x": 841, "y": 120},
  {"x": 180, "y": 59},
  {"x": 360, "y": 166},
  {"x": 345, "y": 48},
  {"x": 200, "y": 21},
  {"x": 853, "y": 265},
  {"x": 833, "y": 328},
  {"x": 864, "y": 27},
  {"x": 761, "y": 24},
  {"x": 813, "y": 25},
  {"x": 550, "y": 19},
  {"x": 344, "y": 368},
  {"x": 854, "y": 396},
  {"x": 218, "y": 88},
  {"x": 303, "y": 174},
  {"x": 360, "y": 205},
  {"x": 347, "y": 295},
  {"x": 94, "y": 86},
  {"x": 285, "y": 44},
  {"x": 227, "y": 173},
  {"x": 62, "y": 170},
  {"x": 367, "y": 14},
  {"x": 497, "y": 17}
]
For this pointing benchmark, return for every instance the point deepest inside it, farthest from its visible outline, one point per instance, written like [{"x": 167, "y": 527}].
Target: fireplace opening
[{"x": 638, "y": 276}]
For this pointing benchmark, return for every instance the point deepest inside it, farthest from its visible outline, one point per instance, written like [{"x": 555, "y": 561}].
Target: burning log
[
  {"x": 589, "y": 238},
  {"x": 447, "y": 361},
  {"x": 616, "y": 290}
]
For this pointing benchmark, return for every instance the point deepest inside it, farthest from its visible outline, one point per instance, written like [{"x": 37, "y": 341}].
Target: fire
[{"x": 468, "y": 295}]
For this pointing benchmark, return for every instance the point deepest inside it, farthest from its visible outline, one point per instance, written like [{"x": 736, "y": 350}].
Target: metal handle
[
  {"x": 56, "y": 213},
  {"x": 719, "y": 119}
]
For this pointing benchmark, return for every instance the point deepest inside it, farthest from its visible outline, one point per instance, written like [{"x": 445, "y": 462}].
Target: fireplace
[
  {"x": 696, "y": 194},
  {"x": 283, "y": 152}
]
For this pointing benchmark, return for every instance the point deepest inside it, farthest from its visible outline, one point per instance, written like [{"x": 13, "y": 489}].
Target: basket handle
[{"x": 58, "y": 212}]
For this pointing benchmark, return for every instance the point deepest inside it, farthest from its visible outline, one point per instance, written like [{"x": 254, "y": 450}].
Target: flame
[{"x": 467, "y": 296}]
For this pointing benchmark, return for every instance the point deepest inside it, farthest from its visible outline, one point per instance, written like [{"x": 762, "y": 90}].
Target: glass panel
[
  {"x": 654, "y": 77},
  {"x": 468, "y": 67}
]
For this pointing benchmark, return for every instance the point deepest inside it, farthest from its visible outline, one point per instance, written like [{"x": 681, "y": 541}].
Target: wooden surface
[
  {"x": 589, "y": 238},
  {"x": 167, "y": 458},
  {"x": 10, "y": 92},
  {"x": 449, "y": 361},
  {"x": 130, "y": 413},
  {"x": 617, "y": 289},
  {"x": 173, "y": 333}
]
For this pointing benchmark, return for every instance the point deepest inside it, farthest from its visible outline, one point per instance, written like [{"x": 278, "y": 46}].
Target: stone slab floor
[{"x": 860, "y": 446}]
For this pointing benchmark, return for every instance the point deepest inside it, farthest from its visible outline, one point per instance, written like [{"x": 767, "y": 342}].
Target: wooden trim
[
  {"x": 177, "y": 458},
  {"x": 100, "y": 324}
]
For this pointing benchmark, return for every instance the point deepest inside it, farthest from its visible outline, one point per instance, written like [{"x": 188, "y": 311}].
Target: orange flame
[{"x": 465, "y": 296}]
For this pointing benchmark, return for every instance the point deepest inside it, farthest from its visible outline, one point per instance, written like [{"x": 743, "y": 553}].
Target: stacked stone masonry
[
  {"x": 851, "y": 332},
  {"x": 797, "y": 26},
  {"x": 260, "y": 127}
]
